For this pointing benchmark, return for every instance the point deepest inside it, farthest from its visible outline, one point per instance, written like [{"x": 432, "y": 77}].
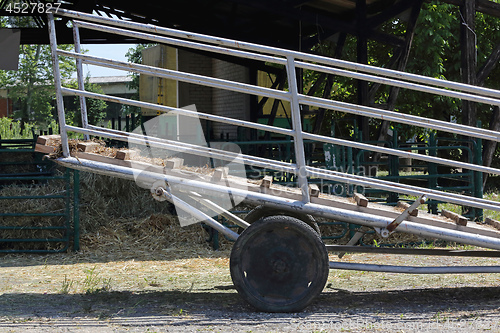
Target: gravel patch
[{"x": 155, "y": 293}]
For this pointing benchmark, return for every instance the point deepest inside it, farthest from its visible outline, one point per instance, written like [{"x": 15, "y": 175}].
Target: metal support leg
[
  {"x": 219, "y": 210},
  {"x": 357, "y": 236},
  {"x": 163, "y": 193},
  {"x": 297, "y": 127}
]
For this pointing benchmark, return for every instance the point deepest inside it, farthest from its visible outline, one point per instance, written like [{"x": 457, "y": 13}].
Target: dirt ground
[{"x": 189, "y": 289}]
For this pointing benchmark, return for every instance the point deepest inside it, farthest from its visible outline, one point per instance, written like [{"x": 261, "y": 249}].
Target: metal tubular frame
[
  {"x": 240, "y": 87},
  {"x": 279, "y": 203},
  {"x": 285, "y": 167},
  {"x": 81, "y": 83},
  {"x": 224, "y": 42},
  {"x": 291, "y": 60},
  {"x": 179, "y": 76},
  {"x": 219, "y": 210},
  {"x": 366, "y": 111},
  {"x": 193, "y": 149},
  {"x": 298, "y": 139},
  {"x": 415, "y": 269},
  {"x": 58, "y": 85},
  {"x": 179, "y": 203}
]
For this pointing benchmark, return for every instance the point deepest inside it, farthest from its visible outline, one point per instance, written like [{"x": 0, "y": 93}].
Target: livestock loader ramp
[{"x": 278, "y": 262}]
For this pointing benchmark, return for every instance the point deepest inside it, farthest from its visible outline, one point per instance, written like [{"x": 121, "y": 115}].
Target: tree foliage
[
  {"x": 96, "y": 108},
  {"x": 435, "y": 53},
  {"x": 31, "y": 87}
]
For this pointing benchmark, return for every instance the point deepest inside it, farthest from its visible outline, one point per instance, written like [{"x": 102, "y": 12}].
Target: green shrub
[{"x": 12, "y": 129}]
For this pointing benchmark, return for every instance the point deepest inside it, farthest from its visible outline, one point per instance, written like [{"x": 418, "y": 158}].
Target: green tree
[
  {"x": 435, "y": 53},
  {"x": 96, "y": 108},
  {"x": 31, "y": 87}
]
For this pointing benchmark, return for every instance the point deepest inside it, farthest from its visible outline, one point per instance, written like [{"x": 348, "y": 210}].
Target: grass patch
[
  {"x": 493, "y": 196},
  {"x": 12, "y": 129}
]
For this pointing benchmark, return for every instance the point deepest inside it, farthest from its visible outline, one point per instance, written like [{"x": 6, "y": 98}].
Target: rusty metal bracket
[{"x": 397, "y": 221}]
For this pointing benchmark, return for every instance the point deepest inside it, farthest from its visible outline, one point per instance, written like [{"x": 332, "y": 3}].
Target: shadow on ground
[{"x": 224, "y": 301}]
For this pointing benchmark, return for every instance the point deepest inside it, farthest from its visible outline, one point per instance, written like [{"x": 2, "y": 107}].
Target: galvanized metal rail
[{"x": 291, "y": 61}]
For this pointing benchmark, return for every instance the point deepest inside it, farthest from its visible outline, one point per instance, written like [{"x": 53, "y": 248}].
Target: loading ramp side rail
[{"x": 249, "y": 269}]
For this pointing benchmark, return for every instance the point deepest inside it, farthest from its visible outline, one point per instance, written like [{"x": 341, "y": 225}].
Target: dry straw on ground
[{"x": 115, "y": 215}]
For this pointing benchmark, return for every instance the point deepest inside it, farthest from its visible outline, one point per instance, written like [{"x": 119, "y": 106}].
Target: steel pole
[
  {"x": 58, "y": 85},
  {"x": 81, "y": 83},
  {"x": 298, "y": 141}
]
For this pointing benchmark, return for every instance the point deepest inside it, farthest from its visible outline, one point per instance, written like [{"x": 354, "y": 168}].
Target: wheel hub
[{"x": 279, "y": 266}]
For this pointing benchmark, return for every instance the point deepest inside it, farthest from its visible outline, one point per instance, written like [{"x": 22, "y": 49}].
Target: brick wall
[
  {"x": 196, "y": 94},
  {"x": 228, "y": 103}
]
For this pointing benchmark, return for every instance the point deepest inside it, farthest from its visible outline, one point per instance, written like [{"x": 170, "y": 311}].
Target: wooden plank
[
  {"x": 119, "y": 162},
  {"x": 174, "y": 163},
  {"x": 494, "y": 223},
  {"x": 125, "y": 154},
  {"x": 361, "y": 200},
  {"x": 374, "y": 209},
  {"x": 146, "y": 166},
  {"x": 314, "y": 190},
  {"x": 427, "y": 219},
  {"x": 266, "y": 182},
  {"x": 385, "y": 211},
  {"x": 459, "y": 219},
  {"x": 469, "y": 57},
  {"x": 219, "y": 174},
  {"x": 405, "y": 206},
  {"x": 49, "y": 140},
  {"x": 100, "y": 158},
  {"x": 44, "y": 149},
  {"x": 87, "y": 147}
]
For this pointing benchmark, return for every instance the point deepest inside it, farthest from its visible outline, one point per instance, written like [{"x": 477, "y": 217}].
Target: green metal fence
[
  {"x": 388, "y": 167},
  {"x": 38, "y": 202}
]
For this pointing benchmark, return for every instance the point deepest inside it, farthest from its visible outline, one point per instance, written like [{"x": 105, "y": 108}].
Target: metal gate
[{"x": 39, "y": 204}]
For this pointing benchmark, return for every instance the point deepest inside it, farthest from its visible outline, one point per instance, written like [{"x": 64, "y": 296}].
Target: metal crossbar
[{"x": 291, "y": 60}]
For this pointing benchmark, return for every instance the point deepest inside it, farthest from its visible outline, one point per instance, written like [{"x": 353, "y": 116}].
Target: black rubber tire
[
  {"x": 260, "y": 212},
  {"x": 279, "y": 264}
]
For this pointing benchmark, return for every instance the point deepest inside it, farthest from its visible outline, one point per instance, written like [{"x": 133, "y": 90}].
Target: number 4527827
[{"x": 32, "y": 8}]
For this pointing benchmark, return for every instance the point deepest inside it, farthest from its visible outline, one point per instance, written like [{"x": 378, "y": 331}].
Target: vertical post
[
  {"x": 478, "y": 176},
  {"x": 57, "y": 83},
  {"x": 362, "y": 58},
  {"x": 349, "y": 188},
  {"x": 81, "y": 84},
  {"x": 76, "y": 210},
  {"x": 432, "y": 170},
  {"x": 67, "y": 203},
  {"x": 469, "y": 58},
  {"x": 394, "y": 168},
  {"x": 298, "y": 140}
]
